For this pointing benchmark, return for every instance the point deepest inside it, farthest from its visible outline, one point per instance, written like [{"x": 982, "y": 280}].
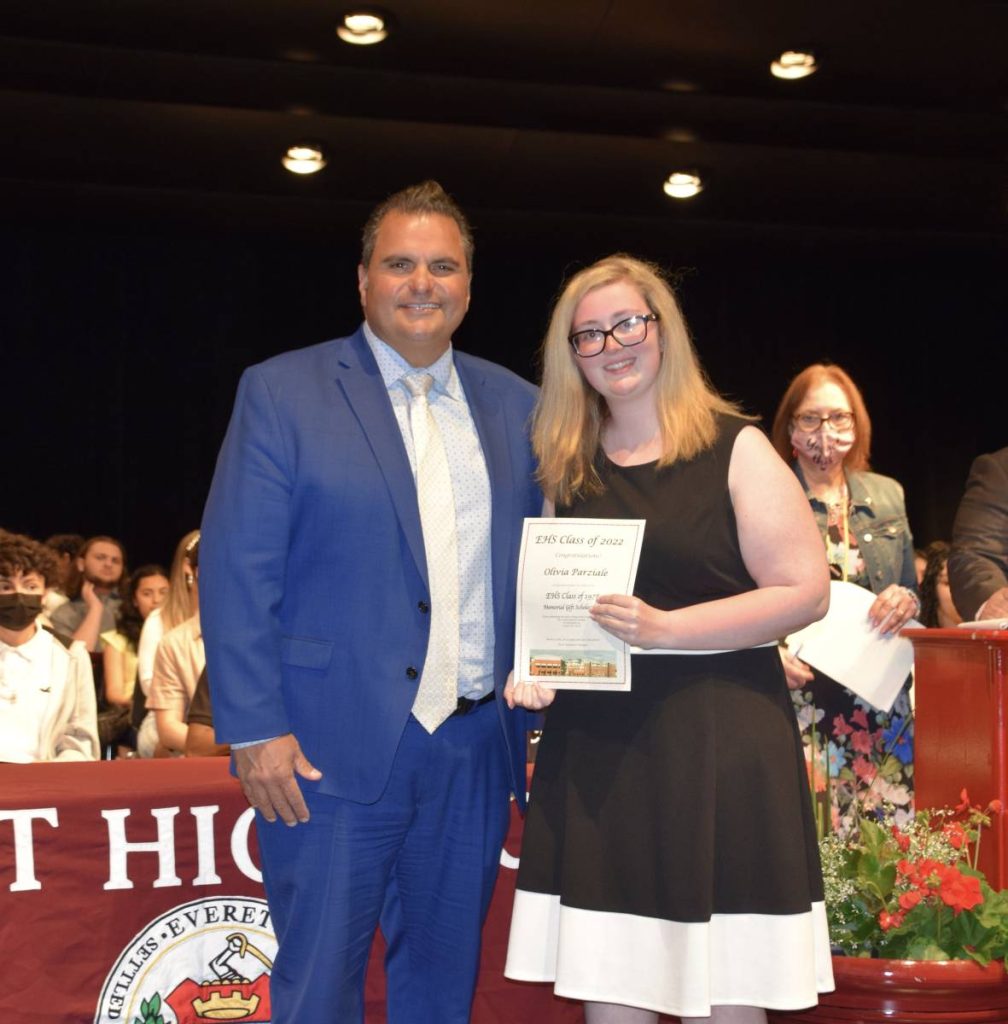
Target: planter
[{"x": 908, "y": 992}]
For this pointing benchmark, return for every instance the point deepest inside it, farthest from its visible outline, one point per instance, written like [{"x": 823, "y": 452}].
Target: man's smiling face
[{"x": 415, "y": 289}]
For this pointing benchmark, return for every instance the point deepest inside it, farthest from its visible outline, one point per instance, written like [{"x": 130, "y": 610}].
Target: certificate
[{"x": 563, "y": 566}]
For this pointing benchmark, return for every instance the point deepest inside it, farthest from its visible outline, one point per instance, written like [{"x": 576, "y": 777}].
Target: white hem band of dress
[{"x": 779, "y": 962}]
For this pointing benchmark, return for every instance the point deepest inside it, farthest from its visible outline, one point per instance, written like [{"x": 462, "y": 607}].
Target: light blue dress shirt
[{"x": 471, "y": 487}]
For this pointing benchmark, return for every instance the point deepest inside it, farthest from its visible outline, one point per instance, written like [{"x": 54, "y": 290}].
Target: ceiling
[{"x": 576, "y": 109}]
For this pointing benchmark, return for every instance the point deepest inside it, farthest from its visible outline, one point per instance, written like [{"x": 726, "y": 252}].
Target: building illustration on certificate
[{"x": 577, "y": 664}]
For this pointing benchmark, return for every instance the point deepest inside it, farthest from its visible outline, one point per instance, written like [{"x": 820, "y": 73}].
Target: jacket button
[
  {"x": 423, "y": 606},
  {"x": 867, "y": 537},
  {"x": 411, "y": 673}
]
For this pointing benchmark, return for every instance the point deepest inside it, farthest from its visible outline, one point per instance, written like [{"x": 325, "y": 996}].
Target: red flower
[
  {"x": 958, "y": 891},
  {"x": 909, "y": 900},
  {"x": 840, "y": 727},
  {"x": 955, "y": 834},
  {"x": 861, "y": 741},
  {"x": 994, "y": 807},
  {"x": 902, "y": 841},
  {"x": 860, "y": 718},
  {"x": 964, "y": 802},
  {"x": 887, "y": 920},
  {"x": 863, "y": 768}
]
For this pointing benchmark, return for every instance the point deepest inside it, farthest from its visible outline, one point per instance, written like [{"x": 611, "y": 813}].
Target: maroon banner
[{"x": 131, "y": 890}]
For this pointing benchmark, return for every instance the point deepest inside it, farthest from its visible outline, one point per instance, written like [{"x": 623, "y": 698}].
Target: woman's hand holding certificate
[{"x": 629, "y": 619}]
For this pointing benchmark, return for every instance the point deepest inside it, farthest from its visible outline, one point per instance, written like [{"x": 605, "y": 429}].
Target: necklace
[{"x": 840, "y": 507}]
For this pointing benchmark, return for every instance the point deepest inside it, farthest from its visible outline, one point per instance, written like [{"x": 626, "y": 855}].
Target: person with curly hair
[{"x": 47, "y": 699}]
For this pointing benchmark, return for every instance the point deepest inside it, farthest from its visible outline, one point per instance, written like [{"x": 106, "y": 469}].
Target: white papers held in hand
[
  {"x": 846, "y": 647},
  {"x": 563, "y": 566}
]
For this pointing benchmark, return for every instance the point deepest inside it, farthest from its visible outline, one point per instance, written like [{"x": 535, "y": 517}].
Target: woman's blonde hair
[
  {"x": 858, "y": 457},
  {"x": 568, "y": 419},
  {"x": 181, "y": 603}
]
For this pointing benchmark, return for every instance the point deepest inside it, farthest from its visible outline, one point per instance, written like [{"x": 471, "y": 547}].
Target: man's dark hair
[
  {"x": 19, "y": 553},
  {"x": 426, "y": 198},
  {"x": 65, "y": 543}
]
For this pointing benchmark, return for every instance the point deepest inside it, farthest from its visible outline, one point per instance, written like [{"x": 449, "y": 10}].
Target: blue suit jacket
[{"x": 313, "y": 578}]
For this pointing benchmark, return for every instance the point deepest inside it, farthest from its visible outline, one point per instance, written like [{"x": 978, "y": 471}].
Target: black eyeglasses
[
  {"x": 839, "y": 419},
  {"x": 628, "y": 332}
]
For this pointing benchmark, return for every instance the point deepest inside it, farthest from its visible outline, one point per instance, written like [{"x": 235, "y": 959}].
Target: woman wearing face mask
[
  {"x": 861, "y": 756},
  {"x": 47, "y": 701}
]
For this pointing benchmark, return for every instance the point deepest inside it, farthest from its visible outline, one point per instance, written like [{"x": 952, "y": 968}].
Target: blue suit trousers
[{"x": 421, "y": 860}]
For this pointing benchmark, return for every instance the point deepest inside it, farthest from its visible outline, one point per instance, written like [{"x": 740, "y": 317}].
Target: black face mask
[{"x": 18, "y": 611}]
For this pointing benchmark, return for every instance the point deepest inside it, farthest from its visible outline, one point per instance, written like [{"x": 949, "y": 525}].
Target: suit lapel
[{"x": 358, "y": 377}]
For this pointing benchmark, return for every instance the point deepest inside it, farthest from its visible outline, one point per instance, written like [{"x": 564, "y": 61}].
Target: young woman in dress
[{"x": 669, "y": 862}]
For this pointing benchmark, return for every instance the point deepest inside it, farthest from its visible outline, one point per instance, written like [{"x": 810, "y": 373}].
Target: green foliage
[
  {"x": 150, "y": 1011},
  {"x": 913, "y": 892}
]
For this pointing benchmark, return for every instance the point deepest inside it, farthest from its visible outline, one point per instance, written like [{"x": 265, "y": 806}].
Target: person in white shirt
[
  {"x": 182, "y": 603},
  {"x": 47, "y": 698}
]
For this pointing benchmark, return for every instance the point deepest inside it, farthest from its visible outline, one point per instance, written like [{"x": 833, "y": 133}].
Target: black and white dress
[{"x": 669, "y": 858}]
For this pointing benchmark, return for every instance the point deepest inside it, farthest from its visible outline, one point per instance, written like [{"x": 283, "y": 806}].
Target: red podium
[{"x": 961, "y": 685}]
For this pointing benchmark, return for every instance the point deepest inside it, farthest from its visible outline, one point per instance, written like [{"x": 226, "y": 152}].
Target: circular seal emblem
[{"x": 204, "y": 961}]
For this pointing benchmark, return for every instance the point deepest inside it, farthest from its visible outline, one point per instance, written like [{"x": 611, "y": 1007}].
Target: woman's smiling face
[{"x": 617, "y": 373}]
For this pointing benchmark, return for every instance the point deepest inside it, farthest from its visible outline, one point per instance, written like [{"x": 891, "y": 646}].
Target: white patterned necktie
[{"x": 437, "y": 695}]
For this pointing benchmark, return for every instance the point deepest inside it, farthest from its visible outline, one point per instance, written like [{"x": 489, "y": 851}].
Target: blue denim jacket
[{"x": 879, "y": 521}]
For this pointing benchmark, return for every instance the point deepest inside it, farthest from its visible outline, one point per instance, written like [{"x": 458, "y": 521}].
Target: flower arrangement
[{"x": 912, "y": 891}]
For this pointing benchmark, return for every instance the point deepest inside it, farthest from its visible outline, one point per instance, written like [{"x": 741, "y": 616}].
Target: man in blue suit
[{"x": 317, "y": 606}]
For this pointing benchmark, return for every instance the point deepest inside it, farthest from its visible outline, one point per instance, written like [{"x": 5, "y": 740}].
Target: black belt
[{"x": 465, "y": 705}]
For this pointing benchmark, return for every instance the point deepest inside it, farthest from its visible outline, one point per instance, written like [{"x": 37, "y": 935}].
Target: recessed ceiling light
[
  {"x": 304, "y": 158},
  {"x": 793, "y": 64},
  {"x": 362, "y": 28},
  {"x": 683, "y": 185}
]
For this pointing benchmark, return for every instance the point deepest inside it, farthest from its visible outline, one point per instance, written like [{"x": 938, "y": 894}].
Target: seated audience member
[
  {"x": 200, "y": 738},
  {"x": 978, "y": 565},
  {"x": 47, "y": 703},
  {"x": 66, "y": 546},
  {"x": 181, "y": 604},
  {"x": 147, "y": 590},
  {"x": 938, "y": 610},
  {"x": 177, "y": 666},
  {"x": 93, "y": 592}
]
